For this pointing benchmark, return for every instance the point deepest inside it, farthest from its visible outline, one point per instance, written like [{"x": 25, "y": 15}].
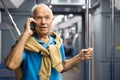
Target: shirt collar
[{"x": 51, "y": 40}]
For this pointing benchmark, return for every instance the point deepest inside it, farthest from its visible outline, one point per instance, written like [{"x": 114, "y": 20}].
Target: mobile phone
[{"x": 32, "y": 25}]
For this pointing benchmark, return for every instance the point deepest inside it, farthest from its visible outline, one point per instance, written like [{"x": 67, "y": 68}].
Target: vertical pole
[
  {"x": 0, "y": 40},
  {"x": 88, "y": 62},
  {"x": 87, "y": 24},
  {"x": 112, "y": 39}
]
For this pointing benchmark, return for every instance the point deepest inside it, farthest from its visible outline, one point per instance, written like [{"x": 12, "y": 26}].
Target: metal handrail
[
  {"x": 87, "y": 39},
  {"x": 11, "y": 18},
  {"x": 112, "y": 39}
]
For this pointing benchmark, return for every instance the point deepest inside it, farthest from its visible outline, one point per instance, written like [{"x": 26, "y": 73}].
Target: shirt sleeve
[{"x": 62, "y": 53}]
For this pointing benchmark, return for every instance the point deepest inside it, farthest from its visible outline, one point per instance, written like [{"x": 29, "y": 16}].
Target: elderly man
[{"x": 39, "y": 52}]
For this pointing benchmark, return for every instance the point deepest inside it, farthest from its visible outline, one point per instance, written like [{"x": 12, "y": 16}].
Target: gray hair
[{"x": 38, "y": 5}]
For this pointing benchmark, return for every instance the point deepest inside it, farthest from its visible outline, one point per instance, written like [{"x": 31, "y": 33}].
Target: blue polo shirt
[{"x": 31, "y": 62}]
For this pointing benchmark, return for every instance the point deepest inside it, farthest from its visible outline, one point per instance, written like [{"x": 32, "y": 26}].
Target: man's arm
[
  {"x": 14, "y": 58},
  {"x": 83, "y": 55}
]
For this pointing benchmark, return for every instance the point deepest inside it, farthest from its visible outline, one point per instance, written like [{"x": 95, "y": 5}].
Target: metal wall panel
[
  {"x": 9, "y": 36},
  {"x": 102, "y": 45}
]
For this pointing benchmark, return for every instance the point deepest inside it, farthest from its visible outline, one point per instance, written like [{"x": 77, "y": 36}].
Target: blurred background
[{"x": 80, "y": 23}]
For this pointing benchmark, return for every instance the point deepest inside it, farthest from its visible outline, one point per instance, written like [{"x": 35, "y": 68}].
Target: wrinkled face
[{"x": 44, "y": 19}]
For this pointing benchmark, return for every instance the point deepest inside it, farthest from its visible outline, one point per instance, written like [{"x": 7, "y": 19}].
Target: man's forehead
[{"x": 43, "y": 10}]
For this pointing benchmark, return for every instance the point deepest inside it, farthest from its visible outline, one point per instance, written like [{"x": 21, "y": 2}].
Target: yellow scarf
[{"x": 51, "y": 56}]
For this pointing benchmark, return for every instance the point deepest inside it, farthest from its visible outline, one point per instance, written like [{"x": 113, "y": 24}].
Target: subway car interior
[{"x": 80, "y": 23}]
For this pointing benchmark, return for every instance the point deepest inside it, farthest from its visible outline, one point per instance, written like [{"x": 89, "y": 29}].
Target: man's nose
[{"x": 43, "y": 20}]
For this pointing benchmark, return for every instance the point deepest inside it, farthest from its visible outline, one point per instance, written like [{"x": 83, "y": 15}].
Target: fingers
[
  {"x": 88, "y": 56},
  {"x": 27, "y": 27},
  {"x": 29, "y": 20},
  {"x": 85, "y": 50},
  {"x": 87, "y": 53}
]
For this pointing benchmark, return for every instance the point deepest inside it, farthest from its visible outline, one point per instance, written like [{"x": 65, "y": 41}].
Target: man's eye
[{"x": 39, "y": 17}]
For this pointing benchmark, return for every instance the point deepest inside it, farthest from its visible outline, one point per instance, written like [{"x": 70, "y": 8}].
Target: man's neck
[{"x": 44, "y": 38}]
